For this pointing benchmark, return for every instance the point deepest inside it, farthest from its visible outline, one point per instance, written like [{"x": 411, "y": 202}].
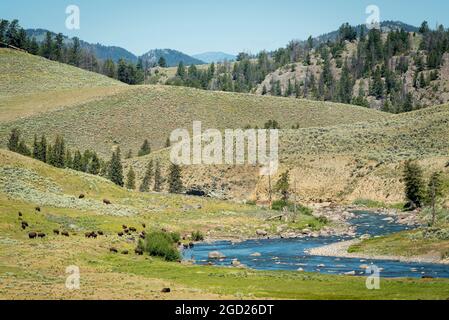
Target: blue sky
[{"x": 196, "y": 26}]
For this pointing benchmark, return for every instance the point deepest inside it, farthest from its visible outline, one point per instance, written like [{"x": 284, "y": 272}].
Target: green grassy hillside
[
  {"x": 152, "y": 112},
  {"x": 42, "y": 263},
  {"x": 22, "y": 73}
]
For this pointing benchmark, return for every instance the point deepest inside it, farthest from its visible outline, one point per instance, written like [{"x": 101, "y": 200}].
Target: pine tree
[
  {"x": 414, "y": 185},
  {"x": 33, "y": 46},
  {"x": 58, "y": 152},
  {"x": 283, "y": 186},
  {"x": 59, "y": 47},
  {"x": 345, "y": 85},
  {"x": 109, "y": 69},
  {"x": 146, "y": 181},
  {"x": 162, "y": 62},
  {"x": 157, "y": 178},
  {"x": 434, "y": 192},
  {"x": 377, "y": 88},
  {"x": 95, "y": 164},
  {"x": 145, "y": 149},
  {"x": 116, "y": 169},
  {"x": 13, "y": 142},
  {"x": 68, "y": 161},
  {"x": 174, "y": 179},
  {"x": 43, "y": 149},
  {"x": 23, "y": 149},
  {"x": 131, "y": 179},
  {"x": 181, "y": 71},
  {"x": 3, "y": 27},
  {"x": 75, "y": 53},
  {"x": 35, "y": 148},
  {"x": 47, "y": 46},
  {"x": 77, "y": 161}
]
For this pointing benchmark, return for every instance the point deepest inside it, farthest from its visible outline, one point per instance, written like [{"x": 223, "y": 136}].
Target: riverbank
[{"x": 340, "y": 250}]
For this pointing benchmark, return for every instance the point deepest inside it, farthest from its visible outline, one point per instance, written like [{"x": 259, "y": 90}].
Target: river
[{"x": 291, "y": 254}]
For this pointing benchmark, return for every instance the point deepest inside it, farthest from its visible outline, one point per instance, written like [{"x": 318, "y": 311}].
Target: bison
[
  {"x": 32, "y": 235},
  {"x": 124, "y": 227},
  {"x": 132, "y": 229},
  {"x": 138, "y": 251},
  {"x": 38, "y": 209},
  {"x": 166, "y": 290},
  {"x": 120, "y": 234},
  {"x": 144, "y": 225},
  {"x": 65, "y": 234},
  {"x": 56, "y": 232},
  {"x": 125, "y": 252},
  {"x": 41, "y": 235},
  {"x": 107, "y": 202},
  {"x": 113, "y": 250},
  {"x": 24, "y": 225},
  {"x": 91, "y": 235},
  {"x": 100, "y": 233},
  {"x": 81, "y": 196},
  {"x": 20, "y": 214}
]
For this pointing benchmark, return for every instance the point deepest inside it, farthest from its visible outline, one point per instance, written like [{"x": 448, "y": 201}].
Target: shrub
[
  {"x": 197, "y": 236},
  {"x": 279, "y": 205},
  {"x": 160, "y": 244},
  {"x": 175, "y": 236}
]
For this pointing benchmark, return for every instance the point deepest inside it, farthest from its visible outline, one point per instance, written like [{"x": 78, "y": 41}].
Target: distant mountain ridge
[
  {"x": 102, "y": 52},
  {"x": 172, "y": 57},
  {"x": 210, "y": 57}
]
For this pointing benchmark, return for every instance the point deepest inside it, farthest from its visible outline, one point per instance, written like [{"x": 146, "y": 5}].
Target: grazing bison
[
  {"x": 100, "y": 233},
  {"x": 166, "y": 290},
  {"x": 41, "y": 235},
  {"x": 32, "y": 235},
  {"x": 81, "y": 196},
  {"x": 125, "y": 252},
  {"x": 138, "y": 251},
  {"x": 120, "y": 234},
  {"x": 38, "y": 209},
  {"x": 56, "y": 232},
  {"x": 24, "y": 225},
  {"x": 107, "y": 202},
  {"x": 124, "y": 227},
  {"x": 91, "y": 235},
  {"x": 113, "y": 250},
  {"x": 126, "y": 231},
  {"x": 132, "y": 229},
  {"x": 65, "y": 234}
]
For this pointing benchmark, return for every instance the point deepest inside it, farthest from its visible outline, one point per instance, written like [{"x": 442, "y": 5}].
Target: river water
[{"x": 291, "y": 254}]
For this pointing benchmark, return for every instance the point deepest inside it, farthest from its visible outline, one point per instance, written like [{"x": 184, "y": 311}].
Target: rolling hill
[
  {"x": 153, "y": 112},
  {"x": 30, "y": 85},
  {"x": 22, "y": 73}
]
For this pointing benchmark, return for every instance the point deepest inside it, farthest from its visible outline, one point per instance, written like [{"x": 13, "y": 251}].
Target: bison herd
[{"x": 132, "y": 231}]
